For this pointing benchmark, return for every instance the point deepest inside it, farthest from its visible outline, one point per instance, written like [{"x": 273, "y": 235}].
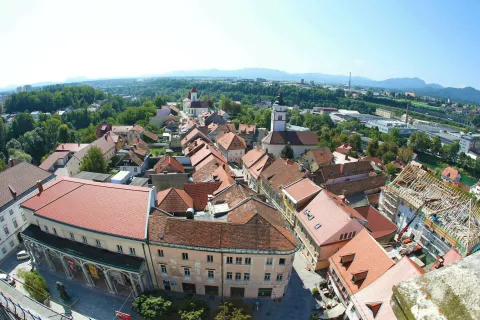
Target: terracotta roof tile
[
  {"x": 321, "y": 155},
  {"x": 246, "y": 128},
  {"x": 138, "y": 161},
  {"x": 233, "y": 195},
  {"x": 252, "y": 156},
  {"x": 65, "y": 202},
  {"x": 72, "y": 147},
  {"x": 204, "y": 152},
  {"x": 357, "y": 186},
  {"x": 138, "y": 128},
  {"x": 301, "y": 190},
  {"x": 174, "y": 200},
  {"x": 52, "y": 159},
  {"x": 200, "y": 191},
  {"x": 169, "y": 164},
  {"x": 450, "y": 173},
  {"x": 368, "y": 256},
  {"x": 151, "y": 135},
  {"x": 378, "y": 225},
  {"x": 282, "y": 172},
  {"x": 344, "y": 149},
  {"x": 20, "y": 178},
  {"x": 294, "y": 138},
  {"x": 230, "y": 141},
  {"x": 342, "y": 170},
  {"x": 194, "y": 134}
]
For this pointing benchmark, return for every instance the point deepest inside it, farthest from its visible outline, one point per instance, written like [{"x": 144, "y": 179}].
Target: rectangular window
[
  {"x": 238, "y": 260},
  {"x": 72, "y": 236},
  {"x": 2, "y": 218},
  {"x": 132, "y": 251},
  {"x": 248, "y": 261},
  {"x": 229, "y": 260},
  {"x": 54, "y": 231},
  {"x": 46, "y": 229},
  {"x": 84, "y": 239},
  {"x": 163, "y": 268},
  {"x": 209, "y": 258},
  {"x": 211, "y": 274},
  {"x": 119, "y": 248},
  {"x": 279, "y": 276},
  {"x": 98, "y": 243},
  {"x": 10, "y": 211},
  {"x": 269, "y": 261},
  {"x": 15, "y": 224},
  {"x": 267, "y": 277},
  {"x": 23, "y": 216},
  {"x": 246, "y": 276},
  {"x": 186, "y": 272},
  {"x": 229, "y": 276},
  {"x": 5, "y": 228},
  {"x": 160, "y": 252},
  {"x": 238, "y": 276},
  {"x": 281, "y": 261},
  {"x": 4, "y": 250},
  {"x": 12, "y": 243},
  {"x": 184, "y": 256}
]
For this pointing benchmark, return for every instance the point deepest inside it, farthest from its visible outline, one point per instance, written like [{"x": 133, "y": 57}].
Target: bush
[
  {"x": 231, "y": 311},
  {"x": 151, "y": 307},
  {"x": 193, "y": 310},
  {"x": 34, "y": 284},
  {"x": 315, "y": 291}
]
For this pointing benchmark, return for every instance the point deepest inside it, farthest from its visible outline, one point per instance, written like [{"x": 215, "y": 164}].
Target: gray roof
[
  {"x": 138, "y": 181},
  {"x": 93, "y": 176},
  {"x": 19, "y": 180}
]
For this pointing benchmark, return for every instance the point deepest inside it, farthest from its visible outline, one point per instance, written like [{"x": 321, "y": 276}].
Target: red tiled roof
[
  {"x": 376, "y": 160},
  {"x": 193, "y": 89},
  {"x": 368, "y": 257},
  {"x": 344, "y": 148},
  {"x": 302, "y": 189},
  {"x": 200, "y": 191},
  {"x": 342, "y": 170},
  {"x": 72, "y": 147},
  {"x": 19, "y": 179},
  {"x": 133, "y": 156},
  {"x": 194, "y": 134},
  {"x": 52, "y": 159},
  {"x": 373, "y": 199},
  {"x": 378, "y": 225},
  {"x": 294, "y": 138},
  {"x": 246, "y": 128},
  {"x": 151, "y": 135},
  {"x": 103, "y": 128},
  {"x": 138, "y": 128},
  {"x": 93, "y": 206},
  {"x": 233, "y": 195},
  {"x": 169, "y": 164},
  {"x": 174, "y": 200},
  {"x": 321, "y": 155},
  {"x": 450, "y": 173},
  {"x": 230, "y": 141},
  {"x": 257, "y": 234},
  {"x": 282, "y": 172},
  {"x": 201, "y": 154},
  {"x": 357, "y": 186}
]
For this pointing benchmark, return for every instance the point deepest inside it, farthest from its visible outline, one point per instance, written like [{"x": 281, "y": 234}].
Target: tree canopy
[{"x": 94, "y": 161}]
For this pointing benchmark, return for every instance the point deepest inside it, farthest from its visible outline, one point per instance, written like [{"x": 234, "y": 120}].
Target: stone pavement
[{"x": 91, "y": 304}]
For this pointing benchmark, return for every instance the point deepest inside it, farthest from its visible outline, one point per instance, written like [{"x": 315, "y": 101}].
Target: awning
[
  {"x": 83, "y": 251},
  {"x": 335, "y": 312}
]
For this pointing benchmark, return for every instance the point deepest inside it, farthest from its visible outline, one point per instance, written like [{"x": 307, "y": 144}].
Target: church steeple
[{"x": 279, "y": 114}]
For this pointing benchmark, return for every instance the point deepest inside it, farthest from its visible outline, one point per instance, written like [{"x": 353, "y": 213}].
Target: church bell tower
[{"x": 279, "y": 114}]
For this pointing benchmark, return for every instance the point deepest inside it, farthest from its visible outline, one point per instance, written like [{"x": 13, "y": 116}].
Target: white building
[
  {"x": 386, "y": 126},
  {"x": 18, "y": 183},
  {"x": 470, "y": 143},
  {"x": 192, "y": 106},
  {"x": 280, "y": 137}
]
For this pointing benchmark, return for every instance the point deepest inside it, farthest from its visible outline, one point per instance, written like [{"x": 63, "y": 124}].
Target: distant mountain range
[{"x": 419, "y": 86}]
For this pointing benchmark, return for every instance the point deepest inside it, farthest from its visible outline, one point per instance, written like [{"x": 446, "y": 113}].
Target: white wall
[
  {"x": 275, "y": 149},
  {"x": 6, "y": 219}
]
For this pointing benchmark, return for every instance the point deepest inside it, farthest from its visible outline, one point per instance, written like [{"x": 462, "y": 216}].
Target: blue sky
[{"x": 437, "y": 41}]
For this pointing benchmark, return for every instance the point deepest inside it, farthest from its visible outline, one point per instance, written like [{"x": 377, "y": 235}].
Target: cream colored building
[
  {"x": 245, "y": 256},
  {"x": 105, "y": 143}
]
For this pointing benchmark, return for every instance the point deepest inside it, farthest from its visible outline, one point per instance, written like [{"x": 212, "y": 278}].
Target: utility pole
[{"x": 350, "y": 81}]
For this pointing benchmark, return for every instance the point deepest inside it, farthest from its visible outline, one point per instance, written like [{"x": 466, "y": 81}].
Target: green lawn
[
  {"x": 157, "y": 151},
  {"x": 433, "y": 163}
]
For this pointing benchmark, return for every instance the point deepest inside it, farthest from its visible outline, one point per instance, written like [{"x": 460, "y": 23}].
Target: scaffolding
[{"x": 455, "y": 213}]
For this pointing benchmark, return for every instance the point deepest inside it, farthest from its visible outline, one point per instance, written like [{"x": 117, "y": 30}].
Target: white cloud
[{"x": 358, "y": 61}]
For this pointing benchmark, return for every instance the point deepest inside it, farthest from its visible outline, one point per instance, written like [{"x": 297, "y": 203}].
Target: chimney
[
  {"x": 346, "y": 156},
  {"x": 79, "y": 143},
  {"x": 190, "y": 214},
  {"x": 63, "y": 146},
  {"x": 40, "y": 186},
  {"x": 12, "y": 163}
]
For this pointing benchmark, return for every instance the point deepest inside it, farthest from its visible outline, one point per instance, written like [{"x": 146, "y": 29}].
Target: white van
[{"x": 22, "y": 255}]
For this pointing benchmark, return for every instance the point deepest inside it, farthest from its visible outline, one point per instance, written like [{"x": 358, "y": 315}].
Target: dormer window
[
  {"x": 347, "y": 258},
  {"x": 359, "y": 276}
]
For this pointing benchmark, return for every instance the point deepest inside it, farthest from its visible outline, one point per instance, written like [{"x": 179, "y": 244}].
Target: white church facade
[
  {"x": 279, "y": 136},
  {"x": 192, "y": 106}
]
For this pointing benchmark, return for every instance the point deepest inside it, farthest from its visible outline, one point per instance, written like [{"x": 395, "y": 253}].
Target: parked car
[
  {"x": 6, "y": 278},
  {"x": 22, "y": 255}
]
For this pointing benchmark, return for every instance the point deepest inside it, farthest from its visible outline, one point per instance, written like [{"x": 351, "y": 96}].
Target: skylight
[
  {"x": 310, "y": 218},
  {"x": 318, "y": 226}
]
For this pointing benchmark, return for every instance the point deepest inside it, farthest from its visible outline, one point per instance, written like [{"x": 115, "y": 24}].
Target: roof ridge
[{"x": 48, "y": 203}]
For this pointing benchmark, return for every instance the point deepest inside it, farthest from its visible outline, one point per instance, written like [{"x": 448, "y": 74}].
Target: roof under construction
[{"x": 455, "y": 212}]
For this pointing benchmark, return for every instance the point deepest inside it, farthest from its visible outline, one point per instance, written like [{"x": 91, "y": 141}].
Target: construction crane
[{"x": 425, "y": 202}]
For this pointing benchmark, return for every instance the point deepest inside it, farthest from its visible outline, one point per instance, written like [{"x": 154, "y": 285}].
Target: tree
[
  {"x": 52, "y": 126},
  {"x": 94, "y": 161},
  {"x": 436, "y": 145},
  {"x": 34, "y": 284},
  {"x": 63, "y": 134},
  {"x": 391, "y": 170},
  {"x": 18, "y": 154},
  {"x": 372, "y": 148},
  {"x": 405, "y": 154},
  {"x": 193, "y": 310},
  {"x": 449, "y": 151},
  {"x": 159, "y": 101},
  {"x": 389, "y": 157},
  {"x": 287, "y": 152},
  {"x": 22, "y": 123},
  {"x": 3, "y": 136},
  {"x": 419, "y": 141},
  {"x": 387, "y": 146},
  {"x": 151, "y": 307},
  {"x": 14, "y": 144},
  {"x": 34, "y": 144},
  {"x": 356, "y": 142},
  {"x": 229, "y": 106},
  {"x": 227, "y": 311}
]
